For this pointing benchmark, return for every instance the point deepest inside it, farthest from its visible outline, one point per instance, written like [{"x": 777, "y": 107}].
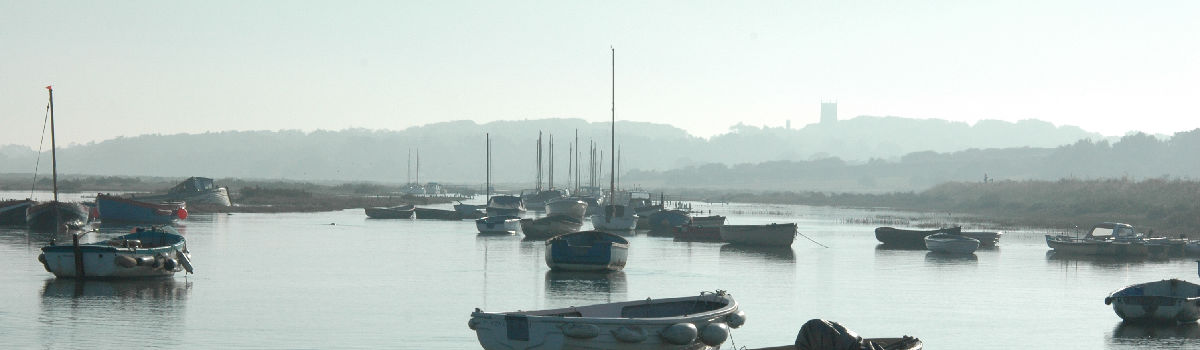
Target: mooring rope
[
  {"x": 810, "y": 239},
  {"x": 41, "y": 142}
]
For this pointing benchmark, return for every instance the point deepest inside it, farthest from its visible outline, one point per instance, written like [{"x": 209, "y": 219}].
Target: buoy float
[
  {"x": 580, "y": 330},
  {"x": 125, "y": 261},
  {"x": 182, "y": 213},
  {"x": 630, "y": 334},
  {"x": 736, "y": 319}
]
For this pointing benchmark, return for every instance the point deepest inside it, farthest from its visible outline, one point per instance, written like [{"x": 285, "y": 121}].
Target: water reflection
[
  {"x": 583, "y": 288},
  {"x": 148, "y": 289},
  {"x": 936, "y": 258},
  {"x": 1130, "y": 330},
  {"x": 1097, "y": 260},
  {"x": 895, "y": 247},
  {"x": 779, "y": 254}
]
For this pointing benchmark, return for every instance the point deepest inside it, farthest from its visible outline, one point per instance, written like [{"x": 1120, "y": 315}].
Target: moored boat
[
  {"x": 1167, "y": 301},
  {"x": 505, "y": 205},
  {"x": 696, "y": 233},
  {"x": 45, "y": 216},
  {"x": 776, "y": 235},
  {"x": 829, "y": 335},
  {"x": 1104, "y": 239},
  {"x": 665, "y": 220},
  {"x": 615, "y": 218},
  {"x": 948, "y": 243},
  {"x": 498, "y": 225},
  {"x": 711, "y": 220},
  {"x": 12, "y": 212},
  {"x": 396, "y": 212},
  {"x": 587, "y": 251},
  {"x": 908, "y": 238},
  {"x": 147, "y": 252},
  {"x": 437, "y": 214},
  {"x": 987, "y": 239},
  {"x": 550, "y": 226},
  {"x": 195, "y": 191},
  {"x": 117, "y": 209},
  {"x": 569, "y": 206},
  {"x": 693, "y": 323}
]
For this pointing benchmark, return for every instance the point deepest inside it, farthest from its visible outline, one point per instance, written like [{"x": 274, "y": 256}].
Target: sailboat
[
  {"x": 146, "y": 252},
  {"x": 495, "y": 224},
  {"x": 54, "y": 216},
  {"x": 617, "y": 213}
]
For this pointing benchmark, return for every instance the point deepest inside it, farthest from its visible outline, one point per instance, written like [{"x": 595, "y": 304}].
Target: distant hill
[{"x": 454, "y": 151}]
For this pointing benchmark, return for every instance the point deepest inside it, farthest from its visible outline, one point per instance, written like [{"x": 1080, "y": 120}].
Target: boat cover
[{"x": 818, "y": 334}]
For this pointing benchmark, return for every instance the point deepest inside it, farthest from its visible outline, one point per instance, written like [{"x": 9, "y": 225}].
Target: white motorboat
[
  {"x": 498, "y": 225},
  {"x": 700, "y": 322},
  {"x": 949, "y": 243}
]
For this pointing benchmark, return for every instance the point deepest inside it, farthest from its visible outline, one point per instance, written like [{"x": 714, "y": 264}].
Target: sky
[{"x": 129, "y": 68}]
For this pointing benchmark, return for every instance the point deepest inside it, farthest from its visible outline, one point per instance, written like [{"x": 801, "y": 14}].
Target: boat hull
[
  {"x": 498, "y": 225},
  {"x": 1082, "y": 246},
  {"x": 123, "y": 210},
  {"x": 951, "y": 244},
  {"x": 987, "y": 239},
  {"x": 119, "y": 257},
  {"x": 697, "y": 233},
  {"x": 13, "y": 212},
  {"x": 615, "y": 218},
  {"x": 389, "y": 213},
  {"x": 587, "y": 251},
  {"x": 437, "y": 214},
  {"x": 576, "y": 328},
  {"x": 1167, "y": 301},
  {"x": 41, "y": 216},
  {"x": 665, "y": 220},
  {"x": 567, "y": 206},
  {"x": 776, "y": 235},
  {"x": 549, "y": 226}
]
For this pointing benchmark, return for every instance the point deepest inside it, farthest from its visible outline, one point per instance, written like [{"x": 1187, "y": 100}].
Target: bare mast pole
[{"x": 612, "y": 180}]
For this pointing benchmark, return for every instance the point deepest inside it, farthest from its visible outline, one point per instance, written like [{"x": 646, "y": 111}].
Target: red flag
[{"x": 48, "y": 87}]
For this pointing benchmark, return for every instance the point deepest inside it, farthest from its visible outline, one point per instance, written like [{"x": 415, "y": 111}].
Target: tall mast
[
  {"x": 550, "y": 163},
  {"x": 53, "y": 156},
  {"x": 576, "y": 155},
  {"x": 612, "y": 181},
  {"x": 418, "y": 166},
  {"x": 488, "y": 185}
]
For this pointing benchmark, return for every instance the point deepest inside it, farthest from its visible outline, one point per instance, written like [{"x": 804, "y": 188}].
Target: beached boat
[
  {"x": 436, "y": 214},
  {"x": 570, "y": 206},
  {"x": 949, "y": 243},
  {"x": 147, "y": 252},
  {"x": 909, "y": 238},
  {"x": 1167, "y": 301},
  {"x": 587, "y": 251},
  {"x": 194, "y": 191},
  {"x": 498, "y": 225},
  {"x": 776, "y": 235},
  {"x": 700, "y": 322},
  {"x": 550, "y": 226},
  {"x": 117, "y": 209},
  {"x": 505, "y": 205},
  {"x": 396, "y": 212},
  {"x": 12, "y": 212},
  {"x": 665, "y": 220},
  {"x": 987, "y": 239}
]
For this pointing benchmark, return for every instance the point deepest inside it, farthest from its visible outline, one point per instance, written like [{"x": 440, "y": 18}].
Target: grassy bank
[{"x": 1168, "y": 207}]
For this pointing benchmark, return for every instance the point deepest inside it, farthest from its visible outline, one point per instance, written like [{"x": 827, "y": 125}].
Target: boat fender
[
  {"x": 125, "y": 261},
  {"x": 682, "y": 333},
  {"x": 630, "y": 334},
  {"x": 145, "y": 260},
  {"x": 736, "y": 319},
  {"x": 170, "y": 264},
  {"x": 1108, "y": 300},
  {"x": 42, "y": 259},
  {"x": 714, "y": 334},
  {"x": 580, "y": 330},
  {"x": 474, "y": 322},
  {"x": 184, "y": 260}
]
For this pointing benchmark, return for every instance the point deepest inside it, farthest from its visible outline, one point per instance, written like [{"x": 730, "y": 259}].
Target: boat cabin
[{"x": 1113, "y": 230}]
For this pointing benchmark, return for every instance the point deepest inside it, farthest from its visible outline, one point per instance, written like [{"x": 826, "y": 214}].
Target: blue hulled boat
[
  {"x": 147, "y": 252},
  {"x": 119, "y": 209},
  {"x": 587, "y": 251}
]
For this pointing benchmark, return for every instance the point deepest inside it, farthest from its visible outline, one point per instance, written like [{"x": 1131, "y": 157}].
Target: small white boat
[
  {"x": 1166, "y": 301},
  {"x": 498, "y": 225},
  {"x": 147, "y": 252},
  {"x": 950, "y": 243},
  {"x": 615, "y": 218},
  {"x": 573, "y": 207},
  {"x": 776, "y": 235},
  {"x": 587, "y": 251},
  {"x": 693, "y": 323}
]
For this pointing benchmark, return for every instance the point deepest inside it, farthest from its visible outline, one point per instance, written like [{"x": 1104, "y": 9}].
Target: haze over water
[{"x": 339, "y": 280}]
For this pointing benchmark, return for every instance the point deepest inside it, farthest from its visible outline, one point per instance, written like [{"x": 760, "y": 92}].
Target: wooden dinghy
[
  {"x": 694, "y": 323},
  {"x": 147, "y": 252},
  {"x": 587, "y": 251}
]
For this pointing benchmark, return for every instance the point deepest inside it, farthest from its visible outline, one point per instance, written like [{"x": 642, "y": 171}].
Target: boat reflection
[
  {"x": 780, "y": 254},
  {"x": 149, "y": 289},
  {"x": 622, "y": 233},
  {"x": 584, "y": 288},
  {"x": 937, "y": 258},
  {"x": 1097, "y": 260},
  {"x": 898, "y": 247},
  {"x": 1141, "y": 332}
]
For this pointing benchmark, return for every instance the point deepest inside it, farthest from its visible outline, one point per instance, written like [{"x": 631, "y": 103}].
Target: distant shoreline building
[{"x": 828, "y": 112}]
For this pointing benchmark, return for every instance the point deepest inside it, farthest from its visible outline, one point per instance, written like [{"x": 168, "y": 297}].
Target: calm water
[{"x": 338, "y": 280}]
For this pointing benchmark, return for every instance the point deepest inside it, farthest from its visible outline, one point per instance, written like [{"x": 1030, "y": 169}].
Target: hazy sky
[{"x": 138, "y": 67}]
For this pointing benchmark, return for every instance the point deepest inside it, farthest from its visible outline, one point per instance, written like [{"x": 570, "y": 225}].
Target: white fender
[
  {"x": 580, "y": 330},
  {"x": 184, "y": 260},
  {"x": 630, "y": 334},
  {"x": 682, "y": 333},
  {"x": 714, "y": 334},
  {"x": 125, "y": 261},
  {"x": 736, "y": 319}
]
